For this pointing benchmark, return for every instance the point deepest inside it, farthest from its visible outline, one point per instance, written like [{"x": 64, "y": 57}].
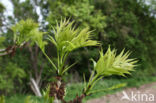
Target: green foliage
[
  {"x": 27, "y": 30},
  {"x": 82, "y": 11},
  {"x": 23, "y": 31},
  {"x": 66, "y": 39},
  {"x": 28, "y": 100},
  {"x": 2, "y": 99},
  {"x": 46, "y": 97},
  {"x": 152, "y": 4},
  {"x": 109, "y": 89},
  {"x": 10, "y": 75},
  {"x": 2, "y": 39},
  {"x": 76, "y": 88},
  {"x": 131, "y": 27},
  {"x": 107, "y": 65},
  {"x": 21, "y": 98},
  {"x": 2, "y": 8},
  {"x": 23, "y": 10},
  {"x": 38, "y": 38}
]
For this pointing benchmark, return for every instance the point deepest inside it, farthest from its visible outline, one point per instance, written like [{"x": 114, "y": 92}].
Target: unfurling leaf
[
  {"x": 28, "y": 30},
  {"x": 112, "y": 64},
  {"x": 22, "y": 31},
  {"x": 67, "y": 38},
  {"x": 109, "y": 64}
]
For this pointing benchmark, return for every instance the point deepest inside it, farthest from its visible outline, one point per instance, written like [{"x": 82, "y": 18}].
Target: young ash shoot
[
  {"x": 107, "y": 65},
  {"x": 67, "y": 37}
]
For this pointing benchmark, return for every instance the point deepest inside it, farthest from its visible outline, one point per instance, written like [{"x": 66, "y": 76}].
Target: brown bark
[
  {"x": 57, "y": 90},
  {"x": 78, "y": 99},
  {"x": 7, "y": 51}
]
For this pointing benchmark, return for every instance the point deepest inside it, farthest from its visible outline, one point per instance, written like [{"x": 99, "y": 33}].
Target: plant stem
[{"x": 50, "y": 60}]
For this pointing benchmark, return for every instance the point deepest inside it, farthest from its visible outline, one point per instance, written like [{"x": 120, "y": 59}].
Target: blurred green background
[{"x": 129, "y": 24}]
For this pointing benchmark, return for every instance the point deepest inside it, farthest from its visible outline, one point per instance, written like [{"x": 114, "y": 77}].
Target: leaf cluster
[
  {"x": 112, "y": 64},
  {"x": 68, "y": 38},
  {"x": 27, "y": 30}
]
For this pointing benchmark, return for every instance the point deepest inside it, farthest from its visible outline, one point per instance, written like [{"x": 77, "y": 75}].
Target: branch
[
  {"x": 9, "y": 50},
  {"x": 50, "y": 61},
  {"x": 6, "y": 53},
  {"x": 2, "y": 50},
  {"x": 35, "y": 87},
  {"x": 38, "y": 80},
  {"x": 33, "y": 61}
]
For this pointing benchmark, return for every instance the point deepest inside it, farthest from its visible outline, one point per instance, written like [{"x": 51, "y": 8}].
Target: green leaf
[
  {"x": 2, "y": 99},
  {"x": 28, "y": 100},
  {"x": 52, "y": 63},
  {"x": 46, "y": 97},
  {"x": 93, "y": 83},
  {"x": 67, "y": 38},
  {"x": 22, "y": 31},
  {"x": 112, "y": 64},
  {"x": 68, "y": 67},
  {"x": 28, "y": 31},
  {"x": 108, "y": 89},
  {"x": 94, "y": 62}
]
